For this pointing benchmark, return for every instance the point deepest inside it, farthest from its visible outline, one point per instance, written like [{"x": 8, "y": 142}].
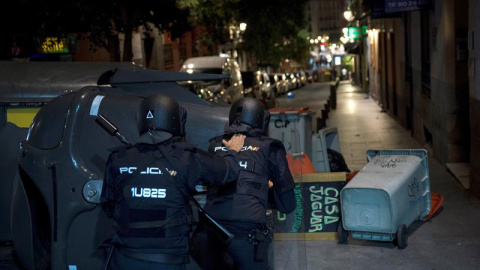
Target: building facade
[
  {"x": 325, "y": 18},
  {"x": 152, "y": 49},
  {"x": 474, "y": 92},
  {"x": 421, "y": 70}
]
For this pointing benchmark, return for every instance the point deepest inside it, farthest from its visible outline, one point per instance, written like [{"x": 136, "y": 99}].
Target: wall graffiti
[{"x": 389, "y": 162}]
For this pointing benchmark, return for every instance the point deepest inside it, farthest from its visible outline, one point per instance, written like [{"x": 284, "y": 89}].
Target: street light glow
[
  {"x": 348, "y": 14},
  {"x": 243, "y": 26}
]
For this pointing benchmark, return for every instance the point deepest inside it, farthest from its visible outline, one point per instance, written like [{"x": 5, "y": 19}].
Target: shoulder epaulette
[
  {"x": 277, "y": 143},
  {"x": 217, "y": 138},
  {"x": 264, "y": 138},
  {"x": 181, "y": 147},
  {"x": 122, "y": 151}
]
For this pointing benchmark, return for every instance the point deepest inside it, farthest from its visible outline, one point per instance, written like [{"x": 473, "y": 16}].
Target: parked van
[{"x": 228, "y": 90}]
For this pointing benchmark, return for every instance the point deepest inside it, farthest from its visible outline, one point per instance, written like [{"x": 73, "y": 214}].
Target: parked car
[
  {"x": 302, "y": 78},
  {"x": 267, "y": 88},
  {"x": 279, "y": 81},
  {"x": 202, "y": 91},
  {"x": 274, "y": 80},
  {"x": 292, "y": 81},
  {"x": 257, "y": 84},
  {"x": 226, "y": 90},
  {"x": 308, "y": 74},
  {"x": 251, "y": 83}
]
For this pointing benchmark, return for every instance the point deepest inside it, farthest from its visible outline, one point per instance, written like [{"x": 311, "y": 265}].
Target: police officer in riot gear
[
  {"x": 147, "y": 187},
  {"x": 241, "y": 206}
]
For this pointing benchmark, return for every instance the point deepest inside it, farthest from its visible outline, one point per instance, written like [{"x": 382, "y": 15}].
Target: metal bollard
[
  {"x": 321, "y": 123},
  {"x": 333, "y": 97},
  {"x": 324, "y": 114}
]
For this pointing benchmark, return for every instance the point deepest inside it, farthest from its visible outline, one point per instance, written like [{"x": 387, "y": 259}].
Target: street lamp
[
  {"x": 348, "y": 14},
  {"x": 243, "y": 26}
]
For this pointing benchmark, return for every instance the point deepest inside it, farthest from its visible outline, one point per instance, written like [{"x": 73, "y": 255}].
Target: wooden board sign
[{"x": 317, "y": 209}]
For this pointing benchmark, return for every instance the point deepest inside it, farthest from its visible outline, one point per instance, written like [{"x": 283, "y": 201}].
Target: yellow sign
[
  {"x": 22, "y": 117},
  {"x": 54, "y": 45}
]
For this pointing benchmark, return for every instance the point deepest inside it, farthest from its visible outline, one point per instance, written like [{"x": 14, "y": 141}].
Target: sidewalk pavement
[
  {"x": 362, "y": 125},
  {"x": 450, "y": 240}
]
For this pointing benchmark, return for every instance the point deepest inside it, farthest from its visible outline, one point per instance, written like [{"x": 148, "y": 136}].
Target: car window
[
  {"x": 227, "y": 71},
  {"x": 248, "y": 79},
  {"x": 208, "y": 70}
]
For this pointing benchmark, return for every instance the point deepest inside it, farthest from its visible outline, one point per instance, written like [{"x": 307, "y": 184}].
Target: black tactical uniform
[
  {"x": 241, "y": 206},
  {"x": 147, "y": 188}
]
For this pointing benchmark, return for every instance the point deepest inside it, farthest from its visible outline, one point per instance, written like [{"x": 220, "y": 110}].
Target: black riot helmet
[
  {"x": 249, "y": 111},
  {"x": 161, "y": 113}
]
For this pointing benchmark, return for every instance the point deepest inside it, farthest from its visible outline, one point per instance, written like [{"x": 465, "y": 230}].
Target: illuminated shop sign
[
  {"x": 357, "y": 32},
  {"x": 405, "y": 5},
  {"x": 54, "y": 45}
]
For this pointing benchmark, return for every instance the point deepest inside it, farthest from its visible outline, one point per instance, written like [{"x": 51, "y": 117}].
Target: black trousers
[
  {"x": 238, "y": 254},
  {"x": 120, "y": 262}
]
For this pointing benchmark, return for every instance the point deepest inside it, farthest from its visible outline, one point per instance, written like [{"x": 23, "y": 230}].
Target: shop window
[
  {"x": 183, "y": 52},
  {"x": 168, "y": 53}
]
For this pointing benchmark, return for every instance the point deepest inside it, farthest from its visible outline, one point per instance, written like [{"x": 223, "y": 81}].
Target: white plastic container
[
  {"x": 386, "y": 196},
  {"x": 326, "y": 138},
  {"x": 293, "y": 127}
]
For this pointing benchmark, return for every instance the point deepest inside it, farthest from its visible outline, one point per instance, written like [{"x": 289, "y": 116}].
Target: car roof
[{"x": 206, "y": 61}]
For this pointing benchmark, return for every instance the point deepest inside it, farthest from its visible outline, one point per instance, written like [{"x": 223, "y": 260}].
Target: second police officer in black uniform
[
  {"x": 241, "y": 206},
  {"x": 147, "y": 188}
]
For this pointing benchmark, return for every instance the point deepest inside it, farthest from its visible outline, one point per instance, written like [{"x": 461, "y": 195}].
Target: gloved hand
[{"x": 235, "y": 143}]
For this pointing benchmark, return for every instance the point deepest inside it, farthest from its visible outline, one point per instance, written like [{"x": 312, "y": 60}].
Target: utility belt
[
  {"x": 154, "y": 257},
  {"x": 161, "y": 224},
  {"x": 260, "y": 239}
]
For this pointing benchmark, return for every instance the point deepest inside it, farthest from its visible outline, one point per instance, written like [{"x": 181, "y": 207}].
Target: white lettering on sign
[
  {"x": 281, "y": 124},
  {"x": 297, "y": 226},
  {"x": 324, "y": 203},
  {"x": 404, "y": 4}
]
